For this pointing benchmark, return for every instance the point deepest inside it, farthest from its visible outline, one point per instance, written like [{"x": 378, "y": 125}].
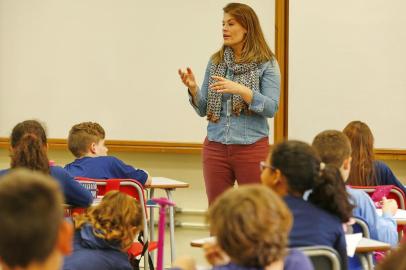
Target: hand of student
[
  {"x": 223, "y": 85},
  {"x": 389, "y": 206},
  {"x": 184, "y": 263},
  {"x": 188, "y": 79},
  {"x": 215, "y": 255}
]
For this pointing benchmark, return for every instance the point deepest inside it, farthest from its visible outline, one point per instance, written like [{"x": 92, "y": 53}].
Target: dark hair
[
  {"x": 333, "y": 147},
  {"x": 395, "y": 260},
  {"x": 252, "y": 224},
  {"x": 362, "y": 165},
  {"x": 31, "y": 213},
  {"x": 28, "y": 142},
  {"x": 82, "y": 135},
  {"x": 300, "y": 165}
]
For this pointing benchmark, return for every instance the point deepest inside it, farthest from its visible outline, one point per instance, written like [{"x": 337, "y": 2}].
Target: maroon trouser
[{"x": 224, "y": 164}]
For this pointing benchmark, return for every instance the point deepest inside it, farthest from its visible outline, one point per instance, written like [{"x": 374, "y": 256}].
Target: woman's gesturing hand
[
  {"x": 188, "y": 79},
  {"x": 223, "y": 85}
]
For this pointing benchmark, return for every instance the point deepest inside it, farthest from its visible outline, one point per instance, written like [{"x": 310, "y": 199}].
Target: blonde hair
[
  {"x": 255, "y": 48},
  {"x": 251, "y": 224},
  {"x": 118, "y": 218}
]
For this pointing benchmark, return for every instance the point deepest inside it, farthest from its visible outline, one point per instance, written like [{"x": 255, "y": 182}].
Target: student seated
[
  {"x": 104, "y": 233},
  {"x": 334, "y": 148},
  {"x": 33, "y": 233},
  {"x": 365, "y": 170},
  {"x": 251, "y": 224},
  {"x": 86, "y": 142},
  {"x": 292, "y": 169},
  {"x": 29, "y": 150}
]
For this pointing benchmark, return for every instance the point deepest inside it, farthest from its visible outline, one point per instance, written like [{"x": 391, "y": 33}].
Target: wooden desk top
[
  {"x": 364, "y": 246},
  {"x": 166, "y": 183}
]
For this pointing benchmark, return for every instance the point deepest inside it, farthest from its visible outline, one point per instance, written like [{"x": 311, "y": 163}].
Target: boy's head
[
  {"x": 252, "y": 224},
  {"x": 334, "y": 148},
  {"x": 87, "y": 139},
  {"x": 32, "y": 228}
]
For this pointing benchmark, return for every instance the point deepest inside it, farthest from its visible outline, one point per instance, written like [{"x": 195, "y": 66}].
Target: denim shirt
[{"x": 246, "y": 128}]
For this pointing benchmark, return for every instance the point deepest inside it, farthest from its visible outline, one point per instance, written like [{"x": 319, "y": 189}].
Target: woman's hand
[
  {"x": 188, "y": 79},
  {"x": 215, "y": 255},
  {"x": 223, "y": 85}
]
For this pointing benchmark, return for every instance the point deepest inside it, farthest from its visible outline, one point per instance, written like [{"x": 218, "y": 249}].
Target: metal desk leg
[
  {"x": 151, "y": 220},
  {"x": 171, "y": 224}
]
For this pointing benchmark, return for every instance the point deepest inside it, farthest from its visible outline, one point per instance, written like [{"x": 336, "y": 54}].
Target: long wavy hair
[
  {"x": 300, "y": 164},
  {"x": 29, "y": 146},
  {"x": 117, "y": 219},
  {"x": 255, "y": 47},
  {"x": 362, "y": 143}
]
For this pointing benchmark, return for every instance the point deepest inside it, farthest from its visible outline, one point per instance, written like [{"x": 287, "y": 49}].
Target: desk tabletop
[
  {"x": 166, "y": 183},
  {"x": 364, "y": 246}
]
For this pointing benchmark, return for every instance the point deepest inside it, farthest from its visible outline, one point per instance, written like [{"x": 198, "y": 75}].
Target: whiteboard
[
  {"x": 114, "y": 62},
  {"x": 347, "y": 61}
]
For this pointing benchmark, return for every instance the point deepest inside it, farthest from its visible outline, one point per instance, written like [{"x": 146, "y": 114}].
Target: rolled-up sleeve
[
  {"x": 201, "y": 98},
  {"x": 266, "y": 101}
]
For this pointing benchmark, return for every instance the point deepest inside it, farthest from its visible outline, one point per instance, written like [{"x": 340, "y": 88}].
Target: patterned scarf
[{"x": 245, "y": 74}]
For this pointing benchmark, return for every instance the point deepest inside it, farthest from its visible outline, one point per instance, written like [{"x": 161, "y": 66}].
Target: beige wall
[{"x": 183, "y": 167}]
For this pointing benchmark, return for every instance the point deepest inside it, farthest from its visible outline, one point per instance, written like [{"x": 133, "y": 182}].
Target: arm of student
[
  {"x": 75, "y": 193},
  {"x": 266, "y": 102},
  {"x": 125, "y": 171},
  {"x": 199, "y": 100}
]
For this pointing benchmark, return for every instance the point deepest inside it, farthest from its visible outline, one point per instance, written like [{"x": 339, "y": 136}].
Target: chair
[
  {"x": 134, "y": 189},
  {"x": 365, "y": 261},
  {"x": 322, "y": 257},
  {"x": 394, "y": 193}
]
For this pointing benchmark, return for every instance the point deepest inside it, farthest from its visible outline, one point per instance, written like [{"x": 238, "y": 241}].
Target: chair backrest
[
  {"x": 394, "y": 193},
  {"x": 322, "y": 257},
  {"x": 129, "y": 186},
  {"x": 361, "y": 226}
]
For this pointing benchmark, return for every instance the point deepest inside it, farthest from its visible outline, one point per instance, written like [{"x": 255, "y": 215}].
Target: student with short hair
[
  {"x": 251, "y": 225},
  {"x": 29, "y": 149},
  {"x": 104, "y": 233},
  {"x": 334, "y": 148},
  {"x": 33, "y": 232},
  {"x": 86, "y": 142},
  {"x": 313, "y": 191},
  {"x": 365, "y": 170}
]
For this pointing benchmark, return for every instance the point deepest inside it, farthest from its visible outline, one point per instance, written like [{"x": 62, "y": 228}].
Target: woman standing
[{"x": 239, "y": 92}]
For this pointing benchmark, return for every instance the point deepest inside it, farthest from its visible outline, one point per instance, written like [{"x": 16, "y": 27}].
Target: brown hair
[
  {"x": 301, "y": 166},
  {"x": 362, "y": 143},
  {"x": 395, "y": 260},
  {"x": 333, "y": 147},
  {"x": 251, "y": 224},
  {"x": 114, "y": 219},
  {"x": 31, "y": 214},
  {"x": 82, "y": 135},
  {"x": 28, "y": 142},
  {"x": 255, "y": 48}
]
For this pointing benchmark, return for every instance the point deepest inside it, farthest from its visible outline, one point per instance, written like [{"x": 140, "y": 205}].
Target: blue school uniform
[
  {"x": 294, "y": 260},
  {"x": 314, "y": 226},
  {"x": 93, "y": 253},
  {"x": 75, "y": 193},
  {"x": 385, "y": 176},
  {"x": 105, "y": 167}
]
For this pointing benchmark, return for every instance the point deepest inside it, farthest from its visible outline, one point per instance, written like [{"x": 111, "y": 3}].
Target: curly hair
[
  {"x": 117, "y": 219},
  {"x": 251, "y": 224},
  {"x": 300, "y": 164},
  {"x": 362, "y": 165},
  {"x": 28, "y": 142},
  {"x": 82, "y": 135}
]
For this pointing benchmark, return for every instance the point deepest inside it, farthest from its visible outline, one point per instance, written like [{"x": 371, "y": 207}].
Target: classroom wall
[{"x": 184, "y": 167}]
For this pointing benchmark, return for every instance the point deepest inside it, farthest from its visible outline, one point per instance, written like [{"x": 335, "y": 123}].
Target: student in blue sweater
[
  {"x": 86, "y": 142},
  {"x": 334, "y": 148},
  {"x": 313, "y": 191},
  {"x": 251, "y": 225},
  {"x": 365, "y": 170},
  {"x": 29, "y": 150},
  {"x": 104, "y": 233}
]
